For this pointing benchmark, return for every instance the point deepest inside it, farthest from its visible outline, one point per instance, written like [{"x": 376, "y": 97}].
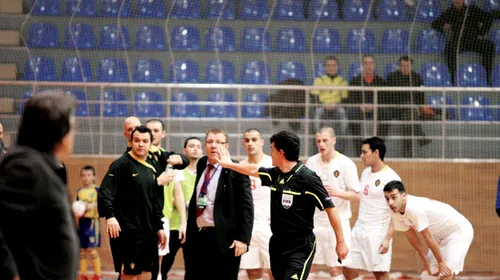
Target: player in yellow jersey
[{"x": 88, "y": 224}]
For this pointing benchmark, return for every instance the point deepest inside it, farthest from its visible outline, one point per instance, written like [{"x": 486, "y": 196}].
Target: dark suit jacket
[{"x": 233, "y": 209}]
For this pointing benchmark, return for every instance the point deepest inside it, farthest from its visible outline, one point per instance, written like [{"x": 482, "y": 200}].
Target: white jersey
[
  {"x": 373, "y": 209},
  {"x": 261, "y": 195},
  {"x": 341, "y": 173},
  {"x": 422, "y": 213}
]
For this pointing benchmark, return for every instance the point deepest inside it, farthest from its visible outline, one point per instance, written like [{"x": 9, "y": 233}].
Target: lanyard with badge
[{"x": 203, "y": 196}]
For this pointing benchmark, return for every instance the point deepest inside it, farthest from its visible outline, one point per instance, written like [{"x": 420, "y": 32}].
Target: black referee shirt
[{"x": 294, "y": 195}]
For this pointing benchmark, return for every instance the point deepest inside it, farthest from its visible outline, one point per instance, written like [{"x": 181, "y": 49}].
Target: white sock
[{"x": 338, "y": 277}]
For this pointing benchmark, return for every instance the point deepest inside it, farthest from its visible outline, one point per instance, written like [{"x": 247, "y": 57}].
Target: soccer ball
[{"x": 79, "y": 208}]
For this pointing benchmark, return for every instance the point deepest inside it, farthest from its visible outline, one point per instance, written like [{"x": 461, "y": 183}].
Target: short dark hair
[
  {"x": 405, "y": 58},
  {"x": 331, "y": 57},
  {"x": 88, "y": 167},
  {"x": 253, "y": 129},
  {"x": 395, "y": 185},
  {"x": 156, "y": 120},
  {"x": 46, "y": 120},
  {"x": 289, "y": 142},
  {"x": 376, "y": 143},
  {"x": 191, "y": 138},
  {"x": 142, "y": 129},
  {"x": 368, "y": 55}
]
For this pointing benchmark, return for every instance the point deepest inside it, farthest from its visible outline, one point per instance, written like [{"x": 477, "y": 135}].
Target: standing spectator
[
  {"x": 330, "y": 100},
  {"x": 364, "y": 98},
  {"x": 404, "y": 77},
  {"x": 3, "y": 149},
  {"x": 468, "y": 28},
  {"x": 33, "y": 196}
]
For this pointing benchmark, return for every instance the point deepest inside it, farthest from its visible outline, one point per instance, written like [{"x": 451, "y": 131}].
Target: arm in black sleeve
[
  {"x": 244, "y": 206},
  {"x": 107, "y": 191},
  {"x": 8, "y": 268},
  {"x": 443, "y": 19},
  {"x": 354, "y": 96},
  {"x": 485, "y": 20},
  {"x": 318, "y": 191},
  {"x": 158, "y": 207},
  {"x": 165, "y": 155}
]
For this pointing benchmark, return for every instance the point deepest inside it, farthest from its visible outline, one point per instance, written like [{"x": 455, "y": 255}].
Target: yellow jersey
[
  {"x": 330, "y": 96},
  {"x": 89, "y": 195}
]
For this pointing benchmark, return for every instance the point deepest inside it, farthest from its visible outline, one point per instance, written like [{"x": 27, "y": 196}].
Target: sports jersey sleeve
[
  {"x": 351, "y": 177},
  {"x": 316, "y": 189},
  {"x": 267, "y": 175},
  {"x": 420, "y": 220},
  {"x": 107, "y": 191}
]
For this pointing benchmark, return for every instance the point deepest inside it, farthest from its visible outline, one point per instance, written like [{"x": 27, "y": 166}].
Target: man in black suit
[{"x": 220, "y": 218}]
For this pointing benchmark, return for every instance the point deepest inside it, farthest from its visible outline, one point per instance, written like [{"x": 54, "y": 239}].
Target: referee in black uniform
[{"x": 295, "y": 192}]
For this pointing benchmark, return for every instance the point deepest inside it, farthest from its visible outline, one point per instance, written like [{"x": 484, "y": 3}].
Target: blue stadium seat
[
  {"x": 356, "y": 10},
  {"x": 220, "y": 38},
  {"x": 185, "y": 109},
  {"x": 495, "y": 76},
  {"x": 81, "y": 8},
  {"x": 111, "y": 8},
  {"x": 150, "y": 37},
  {"x": 326, "y": 40},
  {"x": 83, "y": 107},
  {"x": 494, "y": 36},
  {"x": 255, "y": 72},
  {"x": 319, "y": 69},
  {"x": 436, "y": 101},
  {"x": 74, "y": 69},
  {"x": 290, "y": 40},
  {"x": 148, "y": 71},
  {"x": 291, "y": 70},
  {"x": 254, "y": 110},
  {"x": 42, "y": 35},
  {"x": 150, "y": 8},
  {"x": 80, "y": 36},
  {"x": 220, "y": 8},
  {"x": 491, "y": 5},
  {"x": 392, "y": 10},
  {"x": 219, "y": 72},
  {"x": 478, "y": 112},
  {"x": 39, "y": 68},
  {"x": 112, "y": 38},
  {"x": 394, "y": 41},
  {"x": 112, "y": 70},
  {"x": 185, "y": 9},
  {"x": 435, "y": 75},
  {"x": 254, "y": 39},
  {"x": 289, "y": 10},
  {"x": 430, "y": 41},
  {"x": 27, "y": 95},
  {"x": 185, "y": 38},
  {"x": 471, "y": 75},
  {"x": 45, "y": 7},
  {"x": 365, "y": 36},
  {"x": 184, "y": 71},
  {"x": 323, "y": 10},
  {"x": 254, "y": 9},
  {"x": 114, "y": 104},
  {"x": 220, "y": 111},
  {"x": 427, "y": 10},
  {"x": 390, "y": 67},
  {"x": 146, "y": 105}
]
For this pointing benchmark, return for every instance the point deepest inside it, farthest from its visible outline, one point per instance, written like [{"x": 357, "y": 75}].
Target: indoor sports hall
[{"x": 239, "y": 64}]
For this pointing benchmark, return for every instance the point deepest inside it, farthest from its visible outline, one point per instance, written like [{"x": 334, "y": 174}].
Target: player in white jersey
[
  {"x": 448, "y": 233},
  {"x": 371, "y": 236},
  {"x": 340, "y": 178},
  {"x": 257, "y": 258}
]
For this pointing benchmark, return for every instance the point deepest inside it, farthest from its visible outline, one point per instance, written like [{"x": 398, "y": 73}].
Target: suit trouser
[
  {"x": 207, "y": 261},
  {"x": 483, "y": 46}
]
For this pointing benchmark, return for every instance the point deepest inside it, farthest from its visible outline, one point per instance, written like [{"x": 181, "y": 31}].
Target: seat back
[
  {"x": 356, "y": 10},
  {"x": 395, "y": 41},
  {"x": 254, "y": 39},
  {"x": 146, "y": 105},
  {"x": 148, "y": 71},
  {"x": 361, "y": 40},
  {"x": 477, "y": 112},
  {"x": 220, "y": 8},
  {"x": 184, "y": 71},
  {"x": 254, "y": 9},
  {"x": 76, "y": 69},
  {"x": 39, "y": 68},
  {"x": 113, "y": 70},
  {"x": 289, "y": 10},
  {"x": 255, "y": 72},
  {"x": 291, "y": 70},
  {"x": 220, "y": 110},
  {"x": 79, "y": 35},
  {"x": 150, "y": 8},
  {"x": 45, "y": 7},
  {"x": 185, "y": 37},
  {"x": 184, "y": 109},
  {"x": 430, "y": 41},
  {"x": 392, "y": 10},
  {"x": 326, "y": 40},
  {"x": 290, "y": 40},
  {"x": 114, "y": 38},
  {"x": 427, "y": 10},
  {"x": 111, "y": 8},
  {"x": 150, "y": 37},
  {"x": 471, "y": 75},
  {"x": 436, "y": 101},
  {"x": 219, "y": 72},
  {"x": 114, "y": 104},
  {"x": 82, "y": 8},
  {"x": 255, "y": 110},
  {"x": 323, "y": 10},
  {"x": 42, "y": 35},
  {"x": 185, "y": 9},
  {"x": 435, "y": 75},
  {"x": 220, "y": 38}
]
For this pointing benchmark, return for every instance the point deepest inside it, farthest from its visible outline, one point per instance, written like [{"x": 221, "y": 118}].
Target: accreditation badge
[
  {"x": 286, "y": 200},
  {"x": 203, "y": 202}
]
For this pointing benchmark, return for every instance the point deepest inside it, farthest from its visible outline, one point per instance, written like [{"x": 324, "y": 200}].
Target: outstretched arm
[{"x": 225, "y": 161}]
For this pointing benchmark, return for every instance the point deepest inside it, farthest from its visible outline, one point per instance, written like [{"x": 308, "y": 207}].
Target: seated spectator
[
  {"x": 404, "y": 77},
  {"x": 364, "y": 99},
  {"x": 330, "y": 100}
]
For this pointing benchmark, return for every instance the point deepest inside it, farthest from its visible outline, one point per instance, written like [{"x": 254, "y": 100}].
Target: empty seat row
[
  {"x": 472, "y": 108},
  {"x": 148, "y": 104},
  {"x": 353, "y": 10},
  {"x": 186, "y": 37},
  {"x": 115, "y": 70}
]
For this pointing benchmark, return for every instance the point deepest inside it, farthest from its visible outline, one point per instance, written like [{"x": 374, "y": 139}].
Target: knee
[{"x": 93, "y": 254}]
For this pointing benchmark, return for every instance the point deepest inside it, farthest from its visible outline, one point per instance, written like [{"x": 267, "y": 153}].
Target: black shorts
[
  {"x": 291, "y": 258},
  {"x": 135, "y": 253}
]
